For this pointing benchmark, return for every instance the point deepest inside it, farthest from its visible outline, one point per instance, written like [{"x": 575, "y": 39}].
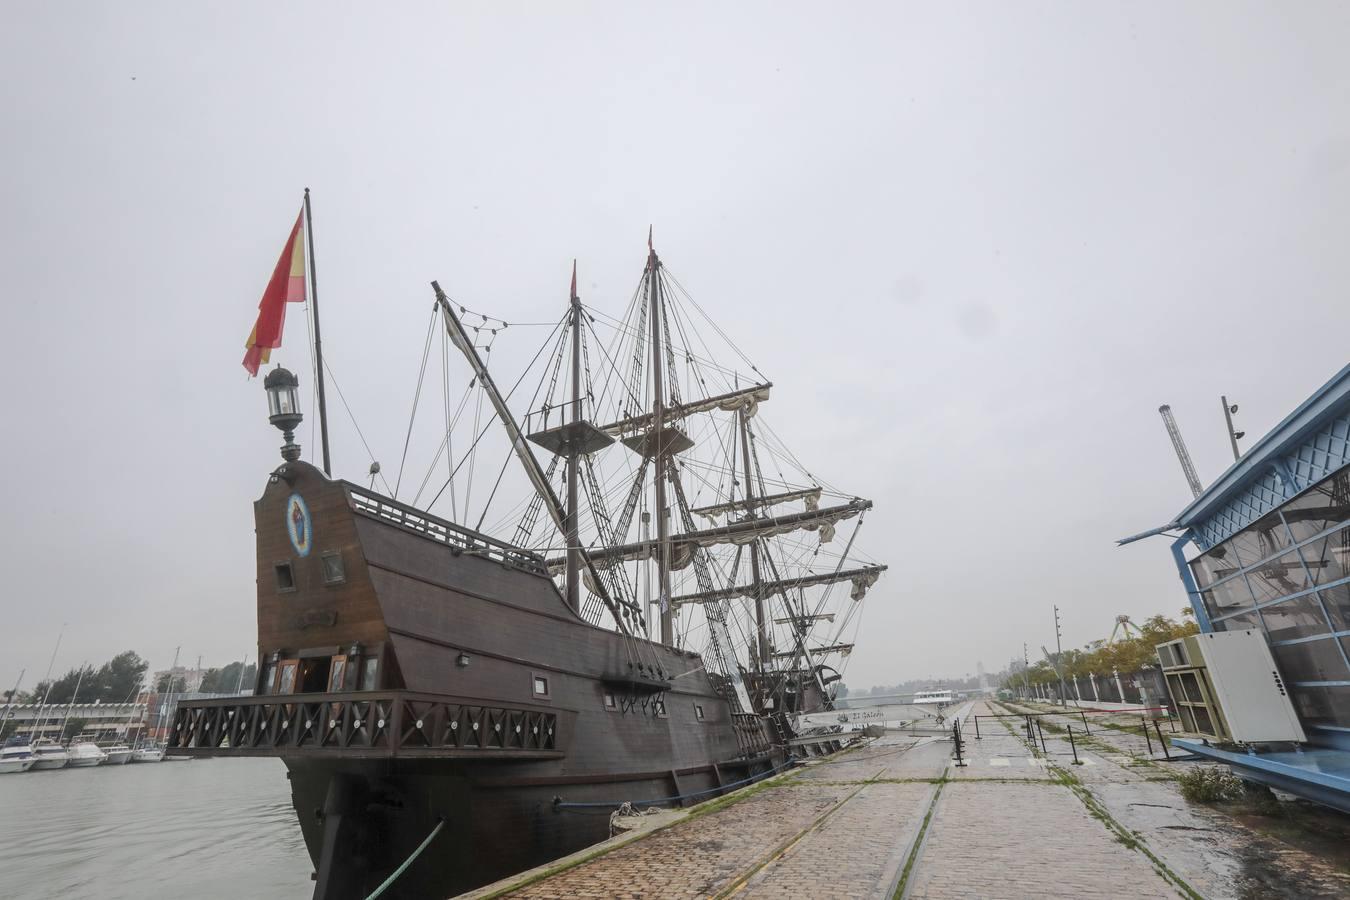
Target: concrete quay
[{"x": 898, "y": 818}]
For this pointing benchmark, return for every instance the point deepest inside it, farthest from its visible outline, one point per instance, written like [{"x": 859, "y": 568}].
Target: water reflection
[{"x": 221, "y": 827}]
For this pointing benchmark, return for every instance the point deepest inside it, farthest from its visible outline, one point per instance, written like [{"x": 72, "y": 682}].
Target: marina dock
[{"x": 899, "y": 817}]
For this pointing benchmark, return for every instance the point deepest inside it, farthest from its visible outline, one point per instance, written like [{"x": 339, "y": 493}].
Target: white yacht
[
  {"x": 85, "y": 753},
  {"x": 49, "y": 755},
  {"x": 938, "y": 697},
  {"x": 148, "y": 753},
  {"x": 118, "y": 754},
  {"x": 16, "y": 758}
]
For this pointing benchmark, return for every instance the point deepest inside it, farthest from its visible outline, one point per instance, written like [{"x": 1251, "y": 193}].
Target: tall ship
[{"x": 669, "y": 593}]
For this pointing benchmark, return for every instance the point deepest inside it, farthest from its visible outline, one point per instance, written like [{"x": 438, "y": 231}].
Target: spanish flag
[{"x": 287, "y": 286}]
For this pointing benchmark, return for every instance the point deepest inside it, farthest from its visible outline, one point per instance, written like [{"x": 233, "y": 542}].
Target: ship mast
[
  {"x": 765, "y": 652},
  {"x": 573, "y": 531},
  {"x": 658, "y": 447},
  {"x": 460, "y": 338}
]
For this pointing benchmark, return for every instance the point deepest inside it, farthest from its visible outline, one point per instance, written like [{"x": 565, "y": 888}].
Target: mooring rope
[{"x": 384, "y": 886}]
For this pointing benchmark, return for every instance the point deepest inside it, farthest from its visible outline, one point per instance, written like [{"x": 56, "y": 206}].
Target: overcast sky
[{"x": 974, "y": 245}]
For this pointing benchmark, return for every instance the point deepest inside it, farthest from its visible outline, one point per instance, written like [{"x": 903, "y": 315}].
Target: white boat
[
  {"x": 148, "y": 754},
  {"x": 16, "y": 758},
  {"x": 48, "y": 755},
  {"x": 940, "y": 698},
  {"x": 85, "y": 753},
  {"x": 118, "y": 754}
]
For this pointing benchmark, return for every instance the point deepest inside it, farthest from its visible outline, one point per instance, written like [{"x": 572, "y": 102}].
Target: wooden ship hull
[{"x": 415, "y": 673}]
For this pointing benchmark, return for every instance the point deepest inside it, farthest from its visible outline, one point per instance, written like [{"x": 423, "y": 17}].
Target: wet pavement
[{"x": 897, "y": 817}]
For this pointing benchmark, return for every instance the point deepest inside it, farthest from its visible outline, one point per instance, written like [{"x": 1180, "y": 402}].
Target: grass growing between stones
[{"x": 918, "y": 844}]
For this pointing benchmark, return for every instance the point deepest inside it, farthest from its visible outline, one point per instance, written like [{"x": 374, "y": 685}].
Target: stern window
[
  {"x": 540, "y": 686},
  {"x": 333, "y": 572},
  {"x": 285, "y": 577},
  {"x": 369, "y": 669},
  {"x": 609, "y": 701},
  {"x": 698, "y": 711}
]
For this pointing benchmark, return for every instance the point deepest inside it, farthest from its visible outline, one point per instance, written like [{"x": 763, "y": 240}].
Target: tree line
[
  {"x": 1100, "y": 658},
  {"x": 118, "y": 680},
  {"x": 121, "y": 679}
]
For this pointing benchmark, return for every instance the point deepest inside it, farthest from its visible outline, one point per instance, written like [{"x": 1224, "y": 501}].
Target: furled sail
[
  {"x": 747, "y": 398},
  {"x": 810, "y": 495},
  {"x": 841, "y": 649},
  {"x": 862, "y": 579},
  {"x": 682, "y": 545}
]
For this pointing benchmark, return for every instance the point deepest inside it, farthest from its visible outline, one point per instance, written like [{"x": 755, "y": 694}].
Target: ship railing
[
  {"x": 363, "y": 723},
  {"x": 458, "y": 538},
  {"x": 752, "y": 733}
]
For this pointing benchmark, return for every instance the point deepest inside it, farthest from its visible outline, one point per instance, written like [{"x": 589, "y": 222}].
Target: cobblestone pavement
[
  {"x": 858, "y": 853},
  {"x": 1024, "y": 840},
  {"x": 899, "y": 818},
  {"x": 1214, "y": 853}
]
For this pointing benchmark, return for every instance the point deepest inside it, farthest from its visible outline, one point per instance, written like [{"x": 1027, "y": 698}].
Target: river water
[{"x": 204, "y": 828}]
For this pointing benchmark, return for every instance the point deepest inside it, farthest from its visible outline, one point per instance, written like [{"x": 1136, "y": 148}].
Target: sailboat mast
[
  {"x": 761, "y": 625},
  {"x": 573, "y": 534},
  {"x": 71, "y": 705},
  {"x": 658, "y": 445},
  {"x": 318, "y": 339}
]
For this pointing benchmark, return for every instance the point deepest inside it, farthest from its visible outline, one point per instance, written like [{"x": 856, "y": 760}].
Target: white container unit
[{"x": 1226, "y": 687}]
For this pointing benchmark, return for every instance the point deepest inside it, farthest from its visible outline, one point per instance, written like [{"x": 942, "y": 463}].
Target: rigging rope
[
  {"x": 333, "y": 378},
  {"x": 417, "y": 396}
]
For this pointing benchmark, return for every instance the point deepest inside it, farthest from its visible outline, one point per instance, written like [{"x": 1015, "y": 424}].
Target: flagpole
[{"x": 318, "y": 341}]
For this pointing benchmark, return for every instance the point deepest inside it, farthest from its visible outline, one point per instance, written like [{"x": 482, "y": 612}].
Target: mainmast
[
  {"x": 764, "y": 651},
  {"x": 659, "y": 448},
  {"x": 573, "y": 533}
]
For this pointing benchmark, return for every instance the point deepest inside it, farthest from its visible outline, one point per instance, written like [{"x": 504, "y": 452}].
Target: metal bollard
[
  {"x": 1086, "y": 730},
  {"x": 977, "y": 728},
  {"x": 1073, "y": 746},
  {"x": 1161, "y": 742},
  {"x": 1044, "y": 749},
  {"x": 1147, "y": 739}
]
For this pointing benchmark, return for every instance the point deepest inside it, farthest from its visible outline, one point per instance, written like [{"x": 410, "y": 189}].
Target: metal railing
[
  {"x": 454, "y": 536},
  {"x": 363, "y": 723}
]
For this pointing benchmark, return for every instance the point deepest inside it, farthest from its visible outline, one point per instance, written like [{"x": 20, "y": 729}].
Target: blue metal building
[{"x": 1267, "y": 546}]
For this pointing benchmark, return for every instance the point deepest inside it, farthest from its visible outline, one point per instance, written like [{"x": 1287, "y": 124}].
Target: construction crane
[{"x": 1180, "y": 446}]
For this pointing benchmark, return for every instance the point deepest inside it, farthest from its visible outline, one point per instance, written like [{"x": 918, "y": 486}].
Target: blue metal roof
[{"x": 1256, "y": 463}]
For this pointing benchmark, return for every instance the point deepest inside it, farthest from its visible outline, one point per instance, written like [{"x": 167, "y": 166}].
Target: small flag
[
  {"x": 287, "y": 286},
  {"x": 649, "y": 238},
  {"x": 574, "y": 279}
]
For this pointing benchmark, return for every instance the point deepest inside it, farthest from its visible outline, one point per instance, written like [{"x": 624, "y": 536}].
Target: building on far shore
[
  {"x": 1267, "y": 547},
  {"x": 192, "y": 678}
]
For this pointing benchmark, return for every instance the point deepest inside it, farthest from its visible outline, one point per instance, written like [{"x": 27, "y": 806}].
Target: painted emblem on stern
[{"x": 298, "y": 525}]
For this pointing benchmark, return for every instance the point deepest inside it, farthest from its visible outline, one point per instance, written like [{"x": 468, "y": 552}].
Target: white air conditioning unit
[{"x": 1225, "y": 687}]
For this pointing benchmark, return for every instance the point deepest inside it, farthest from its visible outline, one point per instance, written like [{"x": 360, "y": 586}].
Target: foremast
[{"x": 660, "y": 448}]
